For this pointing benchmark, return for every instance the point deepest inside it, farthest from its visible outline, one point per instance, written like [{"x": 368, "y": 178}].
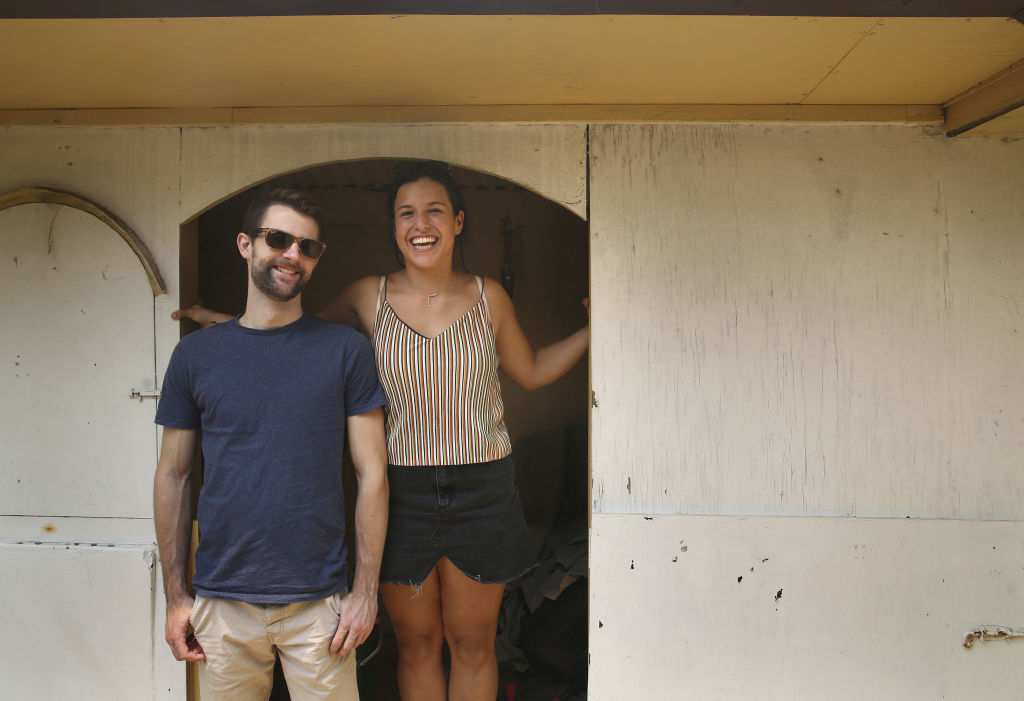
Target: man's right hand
[{"x": 182, "y": 641}]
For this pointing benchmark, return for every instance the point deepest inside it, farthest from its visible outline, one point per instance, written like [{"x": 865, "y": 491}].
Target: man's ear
[{"x": 244, "y": 245}]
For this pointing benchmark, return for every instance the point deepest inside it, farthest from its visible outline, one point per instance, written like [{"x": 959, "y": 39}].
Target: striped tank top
[{"x": 444, "y": 398}]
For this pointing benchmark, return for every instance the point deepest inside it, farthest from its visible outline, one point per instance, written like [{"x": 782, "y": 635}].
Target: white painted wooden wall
[
  {"x": 785, "y": 609},
  {"x": 793, "y": 322},
  {"x": 77, "y": 315},
  {"x": 78, "y": 318},
  {"x": 789, "y": 321},
  {"x": 820, "y": 321}
]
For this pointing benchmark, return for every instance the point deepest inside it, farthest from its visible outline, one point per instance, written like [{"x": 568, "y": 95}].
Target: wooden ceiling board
[
  {"x": 324, "y": 61},
  {"x": 922, "y": 61},
  {"x": 709, "y": 60},
  {"x": 646, "y": 60},
  {"x": 432, "y": 67}
]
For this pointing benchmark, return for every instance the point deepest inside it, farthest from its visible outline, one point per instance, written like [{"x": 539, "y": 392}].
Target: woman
[{"x": 456, "y": 533}]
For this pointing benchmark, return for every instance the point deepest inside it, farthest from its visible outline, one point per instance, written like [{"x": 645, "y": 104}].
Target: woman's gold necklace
[{"x": 428, "y": 295}]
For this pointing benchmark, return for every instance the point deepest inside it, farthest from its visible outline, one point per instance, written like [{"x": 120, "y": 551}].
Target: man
[{"x": 273, "y": 393}]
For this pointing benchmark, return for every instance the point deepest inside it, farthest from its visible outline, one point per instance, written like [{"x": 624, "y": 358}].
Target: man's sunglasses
[{"x": 282, "y": 241}]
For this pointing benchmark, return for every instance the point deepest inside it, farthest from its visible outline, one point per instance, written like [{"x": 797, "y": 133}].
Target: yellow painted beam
[
  {"x": 1000, "y": 94},
  {"x": 418, "y": 114}
]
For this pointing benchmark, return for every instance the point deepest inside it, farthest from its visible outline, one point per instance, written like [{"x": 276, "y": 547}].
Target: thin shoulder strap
[
  {"x": 380, "y": 295},
  {"x": 483, "y": 297}
]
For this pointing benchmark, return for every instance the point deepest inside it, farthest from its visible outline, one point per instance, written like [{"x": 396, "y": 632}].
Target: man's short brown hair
[{"x": 293, "y": 199}]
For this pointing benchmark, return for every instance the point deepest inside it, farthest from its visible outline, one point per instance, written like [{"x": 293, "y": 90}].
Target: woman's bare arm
[
  {"x": 525, "y": 366},
  {"x": 201, "y": 315},
  {"x": 353, "y": 307}
]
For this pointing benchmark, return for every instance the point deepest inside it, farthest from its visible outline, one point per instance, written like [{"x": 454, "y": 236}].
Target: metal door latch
[
  {"x": 141, "y": 394},
  {"x": 986, "y": 633}
]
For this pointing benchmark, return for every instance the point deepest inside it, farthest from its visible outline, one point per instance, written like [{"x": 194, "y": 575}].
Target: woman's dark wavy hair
[{"x": 409, "y": 172}]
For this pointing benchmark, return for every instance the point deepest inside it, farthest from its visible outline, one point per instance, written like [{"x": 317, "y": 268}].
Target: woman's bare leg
[
  {"x": 416, "y": 617},
  {"x": 469, "y": 611}
]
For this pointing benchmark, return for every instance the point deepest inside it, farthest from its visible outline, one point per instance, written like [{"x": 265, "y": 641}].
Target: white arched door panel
[{"x": 77, "y": 320}]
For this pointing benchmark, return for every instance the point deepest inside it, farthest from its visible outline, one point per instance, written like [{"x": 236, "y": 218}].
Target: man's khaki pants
[{"x": 240, "y": 640}]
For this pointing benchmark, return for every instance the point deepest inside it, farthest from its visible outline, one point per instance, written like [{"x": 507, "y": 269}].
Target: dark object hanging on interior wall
[
  {"x": 555, "y": 635},
  {"x": 507, "y": 274}
]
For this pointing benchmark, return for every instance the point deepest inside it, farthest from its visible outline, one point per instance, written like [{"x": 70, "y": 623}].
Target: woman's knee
[
  {"x": 472, "y": 649},
  {"x": 419, "y": 646}
]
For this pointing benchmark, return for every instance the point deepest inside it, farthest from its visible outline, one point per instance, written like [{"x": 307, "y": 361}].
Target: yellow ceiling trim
[{"x": 406, "y": 114}]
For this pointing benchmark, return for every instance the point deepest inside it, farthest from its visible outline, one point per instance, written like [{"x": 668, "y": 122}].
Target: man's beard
[{"x": 261, "y": 272}]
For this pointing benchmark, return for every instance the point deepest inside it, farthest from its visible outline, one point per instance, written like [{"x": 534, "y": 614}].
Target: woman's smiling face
[{"x": 425, "y": 223}]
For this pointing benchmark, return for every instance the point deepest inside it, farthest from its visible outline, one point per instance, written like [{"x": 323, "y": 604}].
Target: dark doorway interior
[{"x": 542, "y": 248}]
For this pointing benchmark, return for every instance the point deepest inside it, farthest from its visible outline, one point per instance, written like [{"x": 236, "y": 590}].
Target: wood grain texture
[
  {"x": 87, "y": 609},
  {"x": 135, "y": 174},
  {"x": 807, "y": 321},
  {"x": 497, "y": 114},
  {"x": 777, "y": 609},
  {"x": 78, "y": 315},
  {"x": 548, "y": 159},
  {"x": 30, "y": 195}
]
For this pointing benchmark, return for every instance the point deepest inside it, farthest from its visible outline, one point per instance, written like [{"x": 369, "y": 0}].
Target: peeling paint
[
  {"x": 108, "y": 278},
  {"x": 49, "y": 235}
]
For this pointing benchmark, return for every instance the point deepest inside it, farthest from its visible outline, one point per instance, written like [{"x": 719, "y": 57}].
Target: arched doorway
[{"x": 547, "y": 254}]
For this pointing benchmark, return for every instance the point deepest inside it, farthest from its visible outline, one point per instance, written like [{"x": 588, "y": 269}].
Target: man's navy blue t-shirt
[{"x": 272, "y": 405}]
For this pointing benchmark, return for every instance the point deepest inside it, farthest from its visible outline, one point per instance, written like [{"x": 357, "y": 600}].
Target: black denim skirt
[{"x": 470, "y": 514}]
